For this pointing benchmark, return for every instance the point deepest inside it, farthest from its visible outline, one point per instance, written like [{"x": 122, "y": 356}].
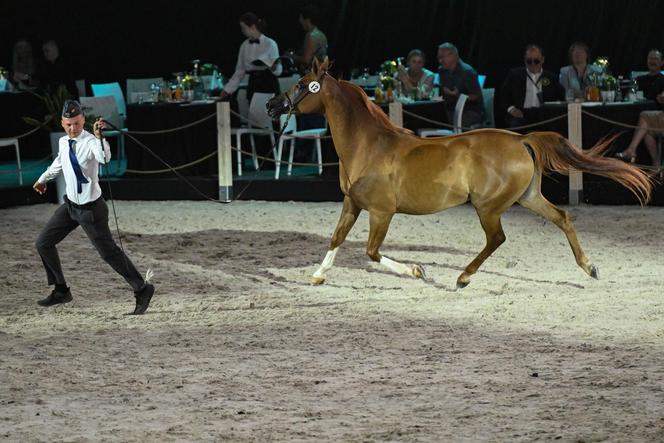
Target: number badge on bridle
[{"x": 314, "y": 87}]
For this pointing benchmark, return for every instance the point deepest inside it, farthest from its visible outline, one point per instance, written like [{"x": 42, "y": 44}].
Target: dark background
[{"x": 115, "y": 40}]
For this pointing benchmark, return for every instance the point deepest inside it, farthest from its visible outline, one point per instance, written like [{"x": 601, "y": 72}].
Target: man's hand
[
  {"x": 224, "y": 95},
  {"x": 660, "y": 98},
  {"x": 451, "y": 92},
  {"x": 403, "y": 73},
  {"x": 39, "y": 187},
  {"x": 516, "y": 112},
  {"x": 98, "y": 126}
]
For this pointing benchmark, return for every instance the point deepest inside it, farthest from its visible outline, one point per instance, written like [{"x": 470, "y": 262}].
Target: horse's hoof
[
  {"x": 418, "y": 272},
  {"x": 462, "y": 284},
  {"x": 594, "y": 272},
  {"x": 317, "y": 280}
]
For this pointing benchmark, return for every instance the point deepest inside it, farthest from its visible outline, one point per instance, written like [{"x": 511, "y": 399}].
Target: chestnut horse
[{"x": 385, "y": 170}]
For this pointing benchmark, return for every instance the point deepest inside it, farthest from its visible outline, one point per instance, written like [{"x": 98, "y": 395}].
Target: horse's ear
[
  {"x": 326, "y": 64},
  {"x": 315, "y": 66}
]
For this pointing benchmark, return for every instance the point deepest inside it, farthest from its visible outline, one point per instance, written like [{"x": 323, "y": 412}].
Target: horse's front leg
[
  {"x": 349, "y": 214},
  {"x": 379, "y": 222}
]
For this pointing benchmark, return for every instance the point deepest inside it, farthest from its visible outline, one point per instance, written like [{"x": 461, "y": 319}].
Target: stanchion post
[
  {"x": 575, "y": 135},
  {"x": 396, "y": 113},
  {"x": 224, "y": 151}
]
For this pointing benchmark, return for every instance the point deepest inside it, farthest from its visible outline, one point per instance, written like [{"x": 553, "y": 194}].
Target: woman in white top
[
  {"x": 416, "y": 75},
  {"x": 258, "y": 57}
]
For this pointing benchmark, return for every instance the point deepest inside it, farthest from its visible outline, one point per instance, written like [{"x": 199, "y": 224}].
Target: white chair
[
  {"x": 291, "y": 127},
  {"x": 137, "y": 86},
  {"x": 260, "y": 123},
  {"x": 14, "y": 142},
  {"x": 457, "y": 120},
  {"x": 243, "y": 104},
  {"x": 488, "y": 96},
  {"x": 285, "y": 83},
  {"x": 314, "y": 134},
  {"x": 106, "y": 108},
  {"x": 112, "y": 90}
]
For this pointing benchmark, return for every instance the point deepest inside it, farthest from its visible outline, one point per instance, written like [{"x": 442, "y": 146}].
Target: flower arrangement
[
  {"x": 608, "y": 83},
  {"x": 209, "y": 68},
  {"x": 387, "y": 70},
  {"x": 603, "y": 64},
  {"x": 190, "y": 81}
]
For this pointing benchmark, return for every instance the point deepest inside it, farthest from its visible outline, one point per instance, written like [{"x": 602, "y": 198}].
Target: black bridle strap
[{"x": 292, "y": 106}]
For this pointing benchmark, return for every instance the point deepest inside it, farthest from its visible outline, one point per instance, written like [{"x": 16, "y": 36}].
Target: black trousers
[{"x": 93, "y": 218}]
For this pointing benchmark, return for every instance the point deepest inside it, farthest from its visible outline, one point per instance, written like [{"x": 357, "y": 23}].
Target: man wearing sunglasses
[{"x": 528, "y": 87}]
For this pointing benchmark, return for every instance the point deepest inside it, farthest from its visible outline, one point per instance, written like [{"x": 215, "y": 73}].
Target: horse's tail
[{"x": 555, "y": 153}]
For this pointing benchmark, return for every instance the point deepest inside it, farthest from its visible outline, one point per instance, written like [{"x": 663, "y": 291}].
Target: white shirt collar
[{"x": 533, "y": 76}]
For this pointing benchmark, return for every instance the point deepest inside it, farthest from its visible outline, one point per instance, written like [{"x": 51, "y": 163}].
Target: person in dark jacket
[{"x": 528, "y": 86}]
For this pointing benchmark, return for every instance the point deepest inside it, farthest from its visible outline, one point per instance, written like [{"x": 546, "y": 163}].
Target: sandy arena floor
[{"x": 238, "y": 346}]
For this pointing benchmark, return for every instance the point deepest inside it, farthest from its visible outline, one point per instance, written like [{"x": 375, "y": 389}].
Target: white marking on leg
[
  {"x": 327, "y": 263},
  {"x": 395, "y": 266}
]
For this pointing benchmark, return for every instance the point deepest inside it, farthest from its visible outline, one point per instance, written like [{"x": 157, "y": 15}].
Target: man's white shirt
[
  {"x": 533, "y": 86},
  {"x": 89, "y": 154}
]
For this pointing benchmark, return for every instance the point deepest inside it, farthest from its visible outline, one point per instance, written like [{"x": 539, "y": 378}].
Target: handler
[{"x": 79, "y": 156}]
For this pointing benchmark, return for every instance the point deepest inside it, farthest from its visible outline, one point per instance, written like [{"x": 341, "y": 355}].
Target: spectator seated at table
[
  {"x": 650, "y": 126},
  {"x": 458, "y": 77},
  {"x": 415, "y": 75},
  {"x": 646, "y": 83},
  {"x": 53, "y": 71},
  {"x": 23, "y": 66},
  {"x": 528, "y": 86},
  {"x": 575, "y": 77}
]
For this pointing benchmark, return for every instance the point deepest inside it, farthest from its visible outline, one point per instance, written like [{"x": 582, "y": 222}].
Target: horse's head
[{"x": 304, "y": 96}]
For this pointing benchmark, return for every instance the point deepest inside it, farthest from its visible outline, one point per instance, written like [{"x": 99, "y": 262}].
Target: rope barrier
[
  {"x": 37, "y": 164},
  {"x": 174, "y": 168},
  {"x": 428, "y": 120},
  {"x": 447, "y": 125},
  {"x": 616, "y": 123},
  {"x": 33, "y": 130},
  {"x": 167, "y": 131},
  {"x": 259, "y": 126},
  {"x": 269, "y": 159},
  {"x": 540, "y": 123}
]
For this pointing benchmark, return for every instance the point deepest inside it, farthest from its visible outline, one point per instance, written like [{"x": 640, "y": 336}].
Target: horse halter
[{"x": 313, "y": 88}]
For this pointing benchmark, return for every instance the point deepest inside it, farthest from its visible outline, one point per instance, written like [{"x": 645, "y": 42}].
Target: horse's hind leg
[
  {"x": 379, "y": 222},
  {"x": 349, "y": 213},
  {"x": 540, "y": 205},
  {"x": 495, "y": 237}
]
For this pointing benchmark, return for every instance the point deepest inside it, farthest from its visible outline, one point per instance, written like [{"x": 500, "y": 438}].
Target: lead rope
[{"x": 148, "y": 274}]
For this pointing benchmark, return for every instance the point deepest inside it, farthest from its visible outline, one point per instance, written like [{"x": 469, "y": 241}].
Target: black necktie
[
  {"x": 80, "y": 178},
  {"x": 254, "y": 41}
]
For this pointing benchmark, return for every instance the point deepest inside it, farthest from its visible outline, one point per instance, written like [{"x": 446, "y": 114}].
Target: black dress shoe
[
  {"x": 56, "y": 298},
  {"x": 143, "y": 299}
]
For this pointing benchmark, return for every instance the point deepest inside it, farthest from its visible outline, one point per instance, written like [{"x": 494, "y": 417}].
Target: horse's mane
[{"x": 374, "y": 110}]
